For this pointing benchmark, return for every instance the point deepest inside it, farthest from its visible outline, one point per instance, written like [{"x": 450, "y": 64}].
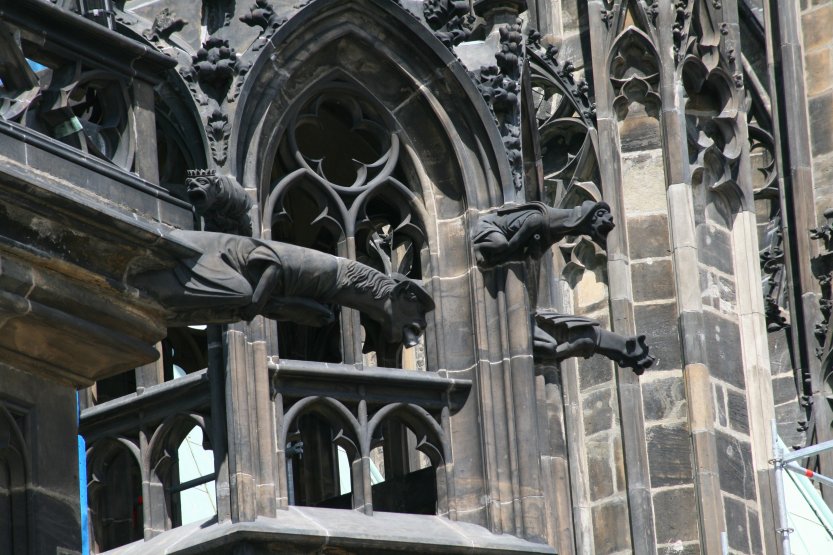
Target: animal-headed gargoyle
[
  {"x": 559, "y": 336},
  {"x": 236, "y": 278},
  {"x": 530, "y": 229},
  {"x": 220, "y": 200}
]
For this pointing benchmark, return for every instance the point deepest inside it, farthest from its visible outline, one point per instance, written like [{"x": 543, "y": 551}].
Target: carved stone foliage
[
  {"x": 165, "y": 24},
  {"x": 561, "y": 336},
  {"x": 220, "y": 200},
  {"x": 451, "y": 20},
  {"x": 262, "y": 15},
  {"x": 500, "y": 86},
  {"x": 67, "y": 100}
]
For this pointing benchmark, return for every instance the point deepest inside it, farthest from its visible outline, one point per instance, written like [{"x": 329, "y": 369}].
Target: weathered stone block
[
  {"x": 720, "y": 404},
  {"x": 599, "y": 466},
  {"x": 815, "y": 26},
  {"x": 664, "y": 399},
  {"x": 652, "y": 280},
  {"x": 715, "y": 248},
  {"x": 669, "y": 454},
  {"x": 594, "y": 371},
  {"x": 738, "y": 412},
  {"x": 598, "y": 411},
  {"x": 754, "y": 532},
  {"x": 734, "y": 462},
  {"x": 649, "y": 235},
  {"x": 639, "y": 132},
  {"x": 659, "y": 324},
  {"x": 736, "y": 525},
  {"x": 821, "y": 123},
  {"x": 610, "y": 527},
  {"x": 819, "y": 71},
  {"x": 675, "y": 519},
  {"x": 723, "y": 340}
]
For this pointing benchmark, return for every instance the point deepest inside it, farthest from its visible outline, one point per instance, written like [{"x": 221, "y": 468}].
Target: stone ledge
[
  {"x": 429, "y": 390},
  {"x": 314, "y": 530}
]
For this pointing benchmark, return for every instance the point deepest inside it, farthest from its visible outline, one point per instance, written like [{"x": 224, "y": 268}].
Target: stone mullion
[
  {"x": 632, "y": 421},
  {"x": 684, "y": 255},
  {"x": 351, "y": 318},
  {"x": 509, "y": 418},
  {"x": 577, "y": 458},
  {"x": 219, "y": 437},
  {"x": 523, "y": 409},
  {"x": 492, "y": 418},
  {"x": 555, "y": 466},
  {"x": 264, "y": 425},
  {"x": 792, "y": 132},
  {"x": 752, "y": 319},
  {"x": 239, "y": 408},
  {"x": 145, "y": 162}
]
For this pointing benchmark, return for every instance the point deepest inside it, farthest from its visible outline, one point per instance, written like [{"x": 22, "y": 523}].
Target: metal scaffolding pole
[
  {"x": 778, "y": 468},
  {"x": 781, "y": 461}
]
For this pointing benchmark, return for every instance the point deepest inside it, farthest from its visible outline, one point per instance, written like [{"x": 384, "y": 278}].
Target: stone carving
[
  {"x": 500, "y": 86},
  {"x": 220, "y": 200},
  {"x": 262, "y": 15},
  {"x": 165, "y": 24},
  {"x": 215, "y": 64},
  {"x": 560, "y": 336},
  {"x": 529, "y": 229},
  {"x": 219, "y": 131},
  {"x": 237, "y": 278},
  {"x": 449, "y": 19}
]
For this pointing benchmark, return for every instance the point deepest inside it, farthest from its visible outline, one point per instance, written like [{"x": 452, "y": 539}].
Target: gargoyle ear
[
  {"x": 409, "y": 290},
  {"x": 404, "y": 289}
]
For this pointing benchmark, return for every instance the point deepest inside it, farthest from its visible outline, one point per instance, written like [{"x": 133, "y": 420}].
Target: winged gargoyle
[{"x": 560, "y": 336}]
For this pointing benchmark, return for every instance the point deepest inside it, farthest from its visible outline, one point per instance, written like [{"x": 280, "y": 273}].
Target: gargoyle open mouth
[
  {"x": 410, "y": 334},
  {"x": 196, "y": 195}
]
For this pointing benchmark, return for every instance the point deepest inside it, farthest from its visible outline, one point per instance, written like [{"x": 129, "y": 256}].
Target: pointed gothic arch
[{"x": 419, "y": 86}]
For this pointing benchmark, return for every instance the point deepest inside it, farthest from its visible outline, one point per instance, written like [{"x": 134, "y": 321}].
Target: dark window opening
[
  {"x": 115, "y": 501},
  {"x": 409, "y": 480},
  {"x": 319, "y": 470}
]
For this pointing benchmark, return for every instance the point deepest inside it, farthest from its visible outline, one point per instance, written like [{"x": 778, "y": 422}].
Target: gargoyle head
[
  {"x": 601, "y": 223},
  {"x": 405, "y": 309},
  {"x": 637, "y": 357},
  {"x": 203, "y": 188}
]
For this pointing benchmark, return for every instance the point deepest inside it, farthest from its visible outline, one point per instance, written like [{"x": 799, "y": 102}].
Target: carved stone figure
[
  {"x": 559, "y": 336},
  {"x": 236, "y": 278},
  {"x": 220, "y": 200},
  {"x": 531, "y": 228}
]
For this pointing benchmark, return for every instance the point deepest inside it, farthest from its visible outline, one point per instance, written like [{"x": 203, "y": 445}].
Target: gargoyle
[
  {"x": 220, "y": 200},
  {"x": 237, "y": 277},
  {"x": 559, "y": 336},
  {"x": 529, "y": 229}
]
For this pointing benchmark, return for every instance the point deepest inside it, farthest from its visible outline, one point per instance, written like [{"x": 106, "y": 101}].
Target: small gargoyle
[
  {"x": 530, "y": 229},
  {"x": 559, "y": 336},
  {"x": 220, "y": 200}
]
